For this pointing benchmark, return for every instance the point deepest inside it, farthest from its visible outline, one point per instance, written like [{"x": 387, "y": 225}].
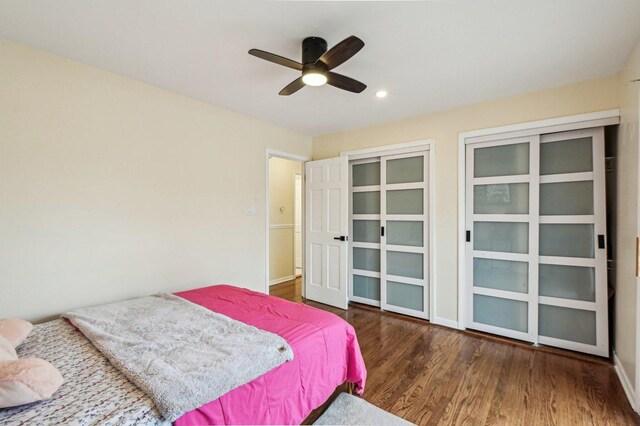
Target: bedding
[
  {"x": 94, "y": 392},
  {"x": 181, "y": 354},
  {"x": 326, "y": 354}
]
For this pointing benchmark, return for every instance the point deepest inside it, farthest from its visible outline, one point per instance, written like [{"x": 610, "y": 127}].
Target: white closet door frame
[
  {"x": 559, "y": 124},
  {"x": 598, "y": 219},
  {"x": 373, "y": 155}
]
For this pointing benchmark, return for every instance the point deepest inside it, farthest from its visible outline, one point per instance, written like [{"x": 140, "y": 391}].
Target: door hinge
[
  {"x": 382, "y": 231},
  {"x": 601, "y": 241},
  {"x": 468, "y": 236}
]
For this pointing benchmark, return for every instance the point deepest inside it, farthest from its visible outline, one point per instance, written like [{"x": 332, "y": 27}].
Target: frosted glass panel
[
  {"x": 366, "y": 202},
  {"x": 366, "y": 231},
  {"x": 366, "y": 259},
  {"x": 405, "y": 264},
  {"x": 405, "y": 201},
  {"x": 405, "y": 233},
  {"x": 576, "y": 325},
  {"x": 367, "y": 287},
  {"x": 568, "y": 282},
  {"x": 507, "y": 237},
  {"x": 501, "y": 160},
  {"x": 570, "y": 156},
  {"x": 365, "y": 174},
  {"x": 505, "y": 313},
  {"x": 569, "y": 240},
  {"x": 501, "y": 274},
  {"x": 405, "y": 295},
  {"x": 566, "y": 198},
  {"x": 510, "y": 198},
  {"x": 404, "y": 170}
]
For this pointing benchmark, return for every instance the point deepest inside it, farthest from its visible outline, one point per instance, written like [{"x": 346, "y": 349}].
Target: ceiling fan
[{"x": 317, "y": 63}]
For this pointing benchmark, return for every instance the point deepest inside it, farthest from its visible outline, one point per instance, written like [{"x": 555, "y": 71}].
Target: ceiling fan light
[{"x": 314, "y": 78}]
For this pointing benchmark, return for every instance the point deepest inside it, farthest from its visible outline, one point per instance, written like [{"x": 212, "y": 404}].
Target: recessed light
[{"x": 381, "y": 94}]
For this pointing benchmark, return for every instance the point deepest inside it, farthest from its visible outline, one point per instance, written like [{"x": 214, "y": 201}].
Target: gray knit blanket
[{"x": 180, "y": 354}]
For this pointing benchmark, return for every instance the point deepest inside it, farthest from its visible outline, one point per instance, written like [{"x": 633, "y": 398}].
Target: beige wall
[
  {"x": 281, "y": 212},
  {"x": 627, "y": 216},
  {"x": 111, "y": 188},
  {"x": 444, "y": 127}
]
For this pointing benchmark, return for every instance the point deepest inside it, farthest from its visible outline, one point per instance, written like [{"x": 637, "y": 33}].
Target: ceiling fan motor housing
[{"x": 312, "y": 49}]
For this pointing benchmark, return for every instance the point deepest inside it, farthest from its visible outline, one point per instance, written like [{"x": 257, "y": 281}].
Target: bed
[{"x": 326, "y": 354}]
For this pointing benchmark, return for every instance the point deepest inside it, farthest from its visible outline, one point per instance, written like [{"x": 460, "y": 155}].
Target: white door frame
[
  {"x": 405, "y": 148},
  {"x": 553, "y": 125},
  {"x": 287, "y": 156},
  {"x": 636, "y": 403},
  {"x": 297, "y": 207}
]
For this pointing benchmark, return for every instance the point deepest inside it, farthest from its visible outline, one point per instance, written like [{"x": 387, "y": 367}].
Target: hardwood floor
[
  {"x": 290, "y": 290},
  {"x": 432, "y": 375}
]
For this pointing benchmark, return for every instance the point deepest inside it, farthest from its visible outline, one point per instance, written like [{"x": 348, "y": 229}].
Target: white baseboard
[
  {"x": 445, "y": 322},
  {"x": 624, "y": 380},
  {"x": 281, "y": 280}
]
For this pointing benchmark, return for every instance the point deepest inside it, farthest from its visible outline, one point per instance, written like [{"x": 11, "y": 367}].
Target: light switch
[{"x": 251, "y": 209}]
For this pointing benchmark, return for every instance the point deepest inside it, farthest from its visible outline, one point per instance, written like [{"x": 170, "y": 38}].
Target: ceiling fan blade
[
  {"x": 292, "y": 87},
  {"x": 280, "y": 60},
  {"x": 341, "y": 52},
  {"x": 345, "y": 83}
]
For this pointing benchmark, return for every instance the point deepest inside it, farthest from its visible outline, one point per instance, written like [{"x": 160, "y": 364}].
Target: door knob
[{"x": 341, "y": 238}]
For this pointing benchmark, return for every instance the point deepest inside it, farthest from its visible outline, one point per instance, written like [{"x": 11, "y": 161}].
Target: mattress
[{"x": 94, "y": 392}]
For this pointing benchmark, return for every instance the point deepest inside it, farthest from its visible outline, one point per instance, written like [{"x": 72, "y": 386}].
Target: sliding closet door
[
  {"x": 390, "y": 233},
  {"x": 535, "y": 252},
  {"x": 572, "y": 272},
  {"x": 501, "y": 261},
  {"x": 364, "y": 273},
  {"x": 405, "y": 234}
]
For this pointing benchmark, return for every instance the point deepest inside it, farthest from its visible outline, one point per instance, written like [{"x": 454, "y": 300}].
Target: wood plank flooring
[
  {"x": 290, "y": 290},
  {"x": 432, "y": 375}
]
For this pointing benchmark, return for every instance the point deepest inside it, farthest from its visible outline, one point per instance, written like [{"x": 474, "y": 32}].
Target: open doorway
[{"x": 285, "y": 227}]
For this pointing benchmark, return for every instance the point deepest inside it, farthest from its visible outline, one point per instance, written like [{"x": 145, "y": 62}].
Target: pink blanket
[{"x": 326, "y": 354}]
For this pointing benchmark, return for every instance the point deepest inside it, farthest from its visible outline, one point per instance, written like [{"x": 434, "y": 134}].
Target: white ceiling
[{"x": 429, "y": 55}]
